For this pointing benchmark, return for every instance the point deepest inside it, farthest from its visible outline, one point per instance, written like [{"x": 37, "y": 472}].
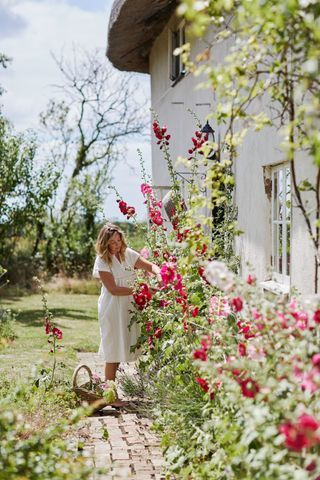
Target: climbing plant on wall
[{"x": 274, "y": 54}]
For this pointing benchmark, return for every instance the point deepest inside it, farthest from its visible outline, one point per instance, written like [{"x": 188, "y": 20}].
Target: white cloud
[
  {"x": 53, "y": 26},
  {"x": 10, "y": 22}
]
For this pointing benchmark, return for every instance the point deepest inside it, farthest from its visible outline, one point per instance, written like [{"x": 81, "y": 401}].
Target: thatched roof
[{"x": 133, "y": 27}]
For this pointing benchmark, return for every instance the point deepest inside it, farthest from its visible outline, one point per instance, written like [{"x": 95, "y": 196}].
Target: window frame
[
  {"x": 283, "y": 276},
  {"x": 176, "y": 66}
]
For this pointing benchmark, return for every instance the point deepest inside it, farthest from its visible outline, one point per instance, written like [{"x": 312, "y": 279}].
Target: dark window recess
[{"x": 177, "y": 67}]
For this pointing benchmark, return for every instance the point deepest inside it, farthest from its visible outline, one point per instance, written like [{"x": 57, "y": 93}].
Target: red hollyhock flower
[
  {"x": 311, "y": 467},
  {"x": 158, "y": 333},
  {"x": 242, "y": 349},
  {"x": 302, "y": 434},
  {"x": 316, "y": 316},
  {"x": 200, "y": 355},
  {"x": 150, "y": 342},
  {"x": 237, "y": 304},
  {"x": 203, "y": 384},
  {"x": 143, "y": 296},
  {"x": 163, "y": 303},
  {"x": 251, "y": 279},
  {"x": 195, "y": 312},
  {"x": 295, "y": 440},
  {"x": 148, "y": 326},
  {"x": 57, "y": 333},
  {"x": 249, "y": 387},
  {"x": 47, "y": 326},
  {"x": 206, "y": 342}
]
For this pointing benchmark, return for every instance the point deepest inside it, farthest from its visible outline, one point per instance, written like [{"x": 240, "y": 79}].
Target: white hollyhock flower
[{"x": 218, "y": 275}]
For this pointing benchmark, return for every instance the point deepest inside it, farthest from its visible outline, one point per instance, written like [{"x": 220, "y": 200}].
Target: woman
[{"x": 114, "y": 266}]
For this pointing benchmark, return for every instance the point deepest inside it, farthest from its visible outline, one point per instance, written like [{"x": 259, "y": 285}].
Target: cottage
[{"x": 142, "y": 37}]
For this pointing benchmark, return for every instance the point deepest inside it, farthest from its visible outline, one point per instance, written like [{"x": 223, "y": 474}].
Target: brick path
[{"x": 121, "y": 441}]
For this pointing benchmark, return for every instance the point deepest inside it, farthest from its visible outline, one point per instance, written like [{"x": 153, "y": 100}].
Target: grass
[{"x": 75, "y": 315}]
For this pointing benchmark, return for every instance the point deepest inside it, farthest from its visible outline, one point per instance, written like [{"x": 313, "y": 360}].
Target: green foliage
[
  {"x": 25, "y": 191},
  {"x": 229, "y": 374},
  {"x": 7, "y": 319},
  {"x": 38, "y": 455},
  {"x": 272, "y": 60}
]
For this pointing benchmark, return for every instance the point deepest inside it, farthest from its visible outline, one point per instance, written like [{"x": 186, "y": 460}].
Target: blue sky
[{"x": 30, "y": 30}]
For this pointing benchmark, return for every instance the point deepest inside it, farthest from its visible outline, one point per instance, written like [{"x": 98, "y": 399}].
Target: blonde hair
[{"x": 102, "y": 244}]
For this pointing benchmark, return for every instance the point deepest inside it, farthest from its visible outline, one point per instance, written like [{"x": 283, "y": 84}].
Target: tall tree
[{"x": 97, "y": 112}]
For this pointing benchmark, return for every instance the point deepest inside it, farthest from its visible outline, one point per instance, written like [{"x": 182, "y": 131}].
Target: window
[
  {"x": 281, "y": 223},
  {"x": 177, "y": 40}
]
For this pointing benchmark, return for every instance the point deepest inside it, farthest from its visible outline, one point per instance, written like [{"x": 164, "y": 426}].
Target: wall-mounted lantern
[{"x": 207, "y": 129}]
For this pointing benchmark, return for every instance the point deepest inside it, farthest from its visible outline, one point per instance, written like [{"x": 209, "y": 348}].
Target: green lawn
[{"x": 75, "y": 315}]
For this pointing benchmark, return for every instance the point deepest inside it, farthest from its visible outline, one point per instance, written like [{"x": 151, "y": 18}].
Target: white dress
[{"x": 114, "y": 311}]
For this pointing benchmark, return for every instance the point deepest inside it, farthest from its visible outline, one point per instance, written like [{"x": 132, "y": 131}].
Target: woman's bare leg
[{"x": 110, "y": 370}]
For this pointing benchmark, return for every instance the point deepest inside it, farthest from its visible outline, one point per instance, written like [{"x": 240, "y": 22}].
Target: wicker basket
[{"x": 84, "y": 391}]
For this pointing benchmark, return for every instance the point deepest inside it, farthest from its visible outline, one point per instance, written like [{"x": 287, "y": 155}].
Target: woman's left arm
[{"x": 143, "y": 264}]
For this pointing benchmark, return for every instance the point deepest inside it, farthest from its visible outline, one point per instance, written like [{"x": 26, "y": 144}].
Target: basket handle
[{"x": 75, "y": 375}]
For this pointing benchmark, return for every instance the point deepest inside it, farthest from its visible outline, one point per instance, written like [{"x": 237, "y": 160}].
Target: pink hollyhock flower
[
  {"x": 293, "y": 304},
  {"x": 307, "y": 422},
  {"x": 249, "y": 387},
  {"x": 144, "y": 252},
  {"x": 307, "y": 383},
  {"x": 255, "y": 354},
  {"x": 200, "y": 355},
  {"x": 251, "y": 280},
  {"x": 316, "y": 360},
  {"x": 316, "y": 316},
  {"x": 168, "y": 273},
  {"x": 220, "y": 306},
  {"x": 158, "y": 332},
  {"x": 57, "y": 333},
  {"x": 146, "y": 189},
  {"x": 256, "y": 315},
  {"x": 237, "y": 304},
  {"x": 301, "y": 318}
]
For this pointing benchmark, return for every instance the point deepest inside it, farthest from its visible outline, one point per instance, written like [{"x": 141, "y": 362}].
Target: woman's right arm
[{"x": 108, "y": 281}]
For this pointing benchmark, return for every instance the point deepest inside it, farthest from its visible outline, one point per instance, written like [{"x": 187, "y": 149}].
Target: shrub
[
  {"x": 29, "y": 454},
  {"x": 7, "y": 320},
  {"x": 233, "y": 376}
]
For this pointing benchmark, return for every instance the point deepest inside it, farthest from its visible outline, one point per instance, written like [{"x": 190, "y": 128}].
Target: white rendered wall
[{"x": 258, "y": 151}]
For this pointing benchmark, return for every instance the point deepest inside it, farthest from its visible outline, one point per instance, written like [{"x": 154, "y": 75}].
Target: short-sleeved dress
[{"x": 114, "y": 311}]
